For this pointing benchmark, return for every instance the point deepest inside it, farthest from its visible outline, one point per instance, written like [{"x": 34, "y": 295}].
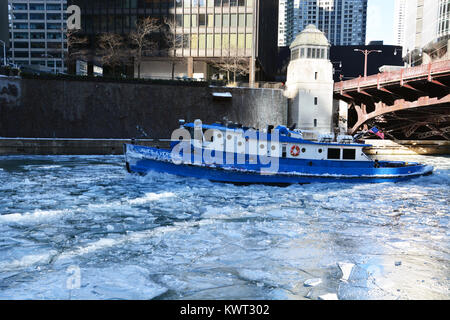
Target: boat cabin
[{"x": 281, "y": 142}]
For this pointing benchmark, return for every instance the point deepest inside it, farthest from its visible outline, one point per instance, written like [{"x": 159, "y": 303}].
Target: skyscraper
[
  {"x": 399, "y": 21},
  {"x": 285, "y": 21},
  {"x": 342, "y": 21},
  {"x": 37, "y": 32},
  {"x": 208, "y": 30},
  {"x": 426, "y": 29}
]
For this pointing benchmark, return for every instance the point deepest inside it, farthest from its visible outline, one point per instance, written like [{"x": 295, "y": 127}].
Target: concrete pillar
[
  {"x": 190, "y": 67},
  {"x": 448, "y": 49},
  {"x": 252, "y": 73}
]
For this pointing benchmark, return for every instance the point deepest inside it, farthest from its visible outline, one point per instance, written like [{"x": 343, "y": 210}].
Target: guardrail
[{"x": 406, "y": 74}]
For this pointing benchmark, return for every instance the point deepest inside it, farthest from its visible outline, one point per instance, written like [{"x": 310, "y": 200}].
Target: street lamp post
[
  {"x": 54, "y": 60},
  {"x": 4, "y": 52},
  {"x": 366, "y": 53}
]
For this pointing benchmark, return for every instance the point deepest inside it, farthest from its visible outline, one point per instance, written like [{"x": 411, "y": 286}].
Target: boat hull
[{"x": 142, "y": 160}]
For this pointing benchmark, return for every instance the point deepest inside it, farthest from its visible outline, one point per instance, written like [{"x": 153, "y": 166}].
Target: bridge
[{"x": 410, "y": 103}]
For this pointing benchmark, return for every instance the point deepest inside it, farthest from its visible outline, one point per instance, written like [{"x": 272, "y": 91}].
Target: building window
[
  {"x": 202, "y": 20},
  {"x": 315, "y": 103},
  {"x": 315, "y": 76},
  {"x": 315, "y": 123}
]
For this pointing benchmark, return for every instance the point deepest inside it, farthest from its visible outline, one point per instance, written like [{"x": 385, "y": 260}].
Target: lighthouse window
[
  {"x": 315, "y": 101},
  {"x": 294, "y": 54},
  {"x": 309, "y": 53},
  {"x": 334, "y": 154},
  {"x": 302, "y": 52},
  {"x": 349, "y": 154},
  {"x": 315, "y": 122}
]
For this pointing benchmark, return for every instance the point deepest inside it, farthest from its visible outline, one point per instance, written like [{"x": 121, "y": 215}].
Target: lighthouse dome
[
  {"x": 310, "y": 36},
  {"x": 311, "y": 43}
]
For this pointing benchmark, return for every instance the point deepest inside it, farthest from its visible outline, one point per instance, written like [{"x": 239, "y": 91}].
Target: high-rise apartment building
[
  {"x": 37, "y": 32},
  {"x": 342, "y": 21},
  {"x": 425, "y": 29},
  {"x": 399, "y": 21},
  {"x": 443, "y": 18},
  {"x": 285, "y": 21},
  {"x": 207, "y": 29}
]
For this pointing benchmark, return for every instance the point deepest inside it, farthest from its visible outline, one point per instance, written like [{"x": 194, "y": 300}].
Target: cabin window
[
  {"x": 334, "y": 154},
  {"x": 349, "y": 154},
  {"x": 283, "y": 149}
]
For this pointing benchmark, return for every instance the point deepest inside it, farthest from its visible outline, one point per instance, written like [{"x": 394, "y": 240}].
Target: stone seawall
[{"x": 35, "y": 108}]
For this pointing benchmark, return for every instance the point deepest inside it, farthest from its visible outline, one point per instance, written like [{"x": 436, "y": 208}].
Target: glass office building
[
  {"x": 206, "y": 28},
  {"x": 37, "y": 32},
  {"x": 342, "y": 21}
]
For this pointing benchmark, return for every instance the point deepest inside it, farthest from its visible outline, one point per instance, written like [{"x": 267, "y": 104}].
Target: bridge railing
[{"x": 394, "y": 76}]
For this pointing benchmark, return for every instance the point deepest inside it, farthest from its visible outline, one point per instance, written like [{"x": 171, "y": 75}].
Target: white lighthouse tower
[{"x": 309, "y": 82}]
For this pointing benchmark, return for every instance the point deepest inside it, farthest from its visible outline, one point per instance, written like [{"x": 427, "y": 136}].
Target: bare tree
[
  {"x": 140, "y": 38},
  {"x": 111, "y": 49},
  {"x": 236, "y": 65},
  {"x": 76, "y": 45},
  {"x": 173, "y": 41}
]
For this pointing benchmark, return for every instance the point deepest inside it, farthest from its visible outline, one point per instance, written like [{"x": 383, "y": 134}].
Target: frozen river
[{"x": 81, "y": 227}]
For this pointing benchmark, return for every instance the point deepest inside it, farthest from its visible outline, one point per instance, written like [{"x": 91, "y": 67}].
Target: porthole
[
  {"x": 261, "y": 146},
  {"x": 273, "y": 148},
  {"x": 320, "y": 150},
  {"x": 303, "y": 150},
  {"x": 229, "y": 137},
  {"x": 219, "y": 135},
  {"x": 239, "y": 143}
]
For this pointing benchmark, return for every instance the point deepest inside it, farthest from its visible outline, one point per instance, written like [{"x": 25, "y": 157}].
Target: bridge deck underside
[{"x": 413, "y": 109}]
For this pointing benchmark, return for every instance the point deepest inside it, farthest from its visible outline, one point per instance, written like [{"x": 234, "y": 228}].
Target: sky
[{"x": 380, "y": 21}]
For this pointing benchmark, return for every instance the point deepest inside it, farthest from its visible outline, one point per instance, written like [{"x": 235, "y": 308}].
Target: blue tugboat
[{"x": 280, "y": 156}]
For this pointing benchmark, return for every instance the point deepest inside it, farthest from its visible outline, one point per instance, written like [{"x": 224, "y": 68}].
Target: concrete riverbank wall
[
  {"x": 58, "y": 146},
  {"x": 38, "y": 108}
]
